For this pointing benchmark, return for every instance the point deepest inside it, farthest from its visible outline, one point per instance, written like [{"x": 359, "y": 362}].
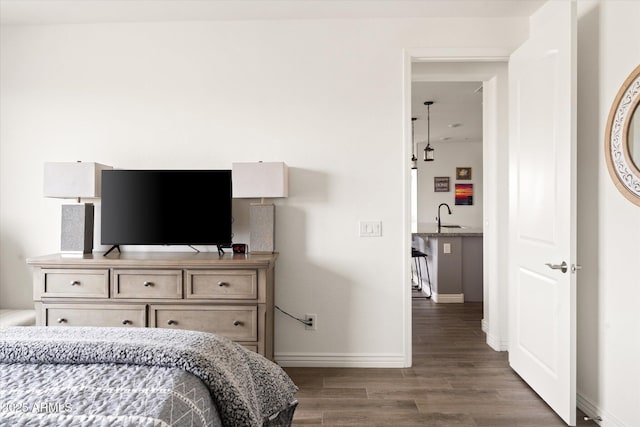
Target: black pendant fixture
[{"x": 429, "y": 153}]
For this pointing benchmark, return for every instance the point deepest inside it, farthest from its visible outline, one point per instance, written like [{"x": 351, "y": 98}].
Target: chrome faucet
[{"x": 438, "y": 218}]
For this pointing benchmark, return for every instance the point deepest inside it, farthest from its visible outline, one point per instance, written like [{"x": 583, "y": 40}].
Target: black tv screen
[{"x": 166, "y": 207}]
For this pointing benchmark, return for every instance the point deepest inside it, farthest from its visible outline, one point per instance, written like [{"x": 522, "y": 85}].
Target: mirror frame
[{"x": 622, "y": 168}]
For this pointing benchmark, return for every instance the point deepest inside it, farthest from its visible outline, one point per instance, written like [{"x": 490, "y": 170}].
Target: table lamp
[
  {"x": 74, "y": 180},
  {"x": 261, "y": 180}
]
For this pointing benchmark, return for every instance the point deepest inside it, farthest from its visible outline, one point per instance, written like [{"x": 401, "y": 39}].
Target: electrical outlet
[{"x": 313, "y": 318}]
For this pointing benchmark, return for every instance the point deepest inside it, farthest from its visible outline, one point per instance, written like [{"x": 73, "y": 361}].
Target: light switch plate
[
  {"x": 370, "y": 228},
  {"x": 446, "y": 248}
]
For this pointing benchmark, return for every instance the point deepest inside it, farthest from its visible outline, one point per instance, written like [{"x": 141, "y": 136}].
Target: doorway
[
  {"x": 449, "y": 185},
  {"x": 491, "y": 72}
]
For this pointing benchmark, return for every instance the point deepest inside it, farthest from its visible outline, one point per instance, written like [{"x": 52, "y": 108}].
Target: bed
[{"x": 96, "y": 376}]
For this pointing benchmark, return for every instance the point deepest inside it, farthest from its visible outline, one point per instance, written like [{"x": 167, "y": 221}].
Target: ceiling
[
  {"x": 99, "y": 11},
  {"x": 456, "y": 112}
]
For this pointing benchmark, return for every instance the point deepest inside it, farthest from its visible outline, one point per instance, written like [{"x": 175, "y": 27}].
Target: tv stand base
[{"x": 112, "y": 248}]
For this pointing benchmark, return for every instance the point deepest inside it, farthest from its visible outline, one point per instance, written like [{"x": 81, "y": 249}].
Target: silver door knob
[{"x": 562, "y": 267}]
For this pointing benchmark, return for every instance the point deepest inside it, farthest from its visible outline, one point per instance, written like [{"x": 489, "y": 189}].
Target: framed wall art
[
  {"x": 463, "y": 173},
  {"x": 441, "y": 184},
  {"x": 464, "y": 194}
]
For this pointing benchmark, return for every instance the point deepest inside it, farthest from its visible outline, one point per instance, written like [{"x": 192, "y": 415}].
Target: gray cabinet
[{"x": 230, "y": 295}]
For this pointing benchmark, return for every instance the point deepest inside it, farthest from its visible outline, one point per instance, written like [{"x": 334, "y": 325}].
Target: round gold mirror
[{"x": 622, "y": 139}]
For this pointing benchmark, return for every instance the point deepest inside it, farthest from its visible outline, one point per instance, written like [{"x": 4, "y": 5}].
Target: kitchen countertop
[{"x": 431, "y": 230}]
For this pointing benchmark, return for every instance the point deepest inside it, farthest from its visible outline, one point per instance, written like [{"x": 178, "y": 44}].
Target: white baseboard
[
  {"x": 340, "y": 360},
  {"x": 496, "y": 344},
  {"x": 492, "y": 341},
  {"x": 592, "y": 410},
  {"x": 448, "y": 298}
]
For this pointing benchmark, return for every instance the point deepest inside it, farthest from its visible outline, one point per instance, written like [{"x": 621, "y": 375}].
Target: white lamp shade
[
  {"x": 69, "y": 180},
  {"x": 260, "y": 180}
]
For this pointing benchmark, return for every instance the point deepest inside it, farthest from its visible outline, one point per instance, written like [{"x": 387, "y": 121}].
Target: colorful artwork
[{"x": 464, "y": 194}]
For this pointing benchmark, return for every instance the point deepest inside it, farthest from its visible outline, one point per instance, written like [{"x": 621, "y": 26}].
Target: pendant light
[
  {"x": 414, "y": 159},
  {"x": 428, "y": 151}
]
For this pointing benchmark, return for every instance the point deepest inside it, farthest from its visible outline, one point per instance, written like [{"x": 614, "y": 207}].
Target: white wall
[
  {"x": 325, "y": 96},
  {"x": 448, "y": 156},
  {"x": 608, "y": 224}
]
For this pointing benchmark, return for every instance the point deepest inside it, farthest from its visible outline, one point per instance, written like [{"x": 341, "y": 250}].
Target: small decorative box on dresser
[{"x": 230, "y": 295}]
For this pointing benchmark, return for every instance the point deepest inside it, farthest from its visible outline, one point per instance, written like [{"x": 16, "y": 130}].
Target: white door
[{"x": 542, "y": 122}]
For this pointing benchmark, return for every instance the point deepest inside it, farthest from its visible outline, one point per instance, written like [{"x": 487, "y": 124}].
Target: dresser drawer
[
  {"x": 72, "y": 283},
  {"x": 222, "y": 284},
  {"x": 239, "y": 323},
  {"x": 146, "y": 284},
  {"x": 94, "y": 315},
  {"x": 252, "y": 347}
]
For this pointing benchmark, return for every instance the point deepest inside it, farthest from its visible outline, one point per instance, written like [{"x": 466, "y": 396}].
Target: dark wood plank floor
[{"x": 456, "y": 380}]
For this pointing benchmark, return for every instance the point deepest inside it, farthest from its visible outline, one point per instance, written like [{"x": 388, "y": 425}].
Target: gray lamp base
[
  {"x": 77, "y": 229},
  {"x": 262, "y": 228}
]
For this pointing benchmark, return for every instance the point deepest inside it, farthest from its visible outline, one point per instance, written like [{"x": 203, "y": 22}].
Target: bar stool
[{"x": 417, "y": 256}]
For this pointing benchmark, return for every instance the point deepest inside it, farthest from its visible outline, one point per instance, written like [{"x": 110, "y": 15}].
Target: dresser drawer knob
[
  {"x": 147, "y": 284},
  {"x": 74, "y": 283},
  {"x": 62, "y": 320},
  {"x": 172, "y": 322},
  {"x": 126, "y": 322},
  {"x": 237, "y": 323},
  {"x": 221, "y": 284}
]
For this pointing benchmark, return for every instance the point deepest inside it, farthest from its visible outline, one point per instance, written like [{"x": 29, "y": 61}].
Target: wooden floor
[{"x": 456, "y": 380}]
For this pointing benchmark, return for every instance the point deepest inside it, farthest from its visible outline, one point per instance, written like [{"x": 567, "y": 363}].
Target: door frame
[{"x": 495, "y": 310}]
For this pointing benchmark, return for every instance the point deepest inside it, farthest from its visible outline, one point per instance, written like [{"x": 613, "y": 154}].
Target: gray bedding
[
  {"x": 103, "y": 395},
  {"x": 137, "y": 376}
]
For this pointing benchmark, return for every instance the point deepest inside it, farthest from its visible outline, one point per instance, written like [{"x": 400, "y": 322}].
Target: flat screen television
[{"x": 166, "y": 207}]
